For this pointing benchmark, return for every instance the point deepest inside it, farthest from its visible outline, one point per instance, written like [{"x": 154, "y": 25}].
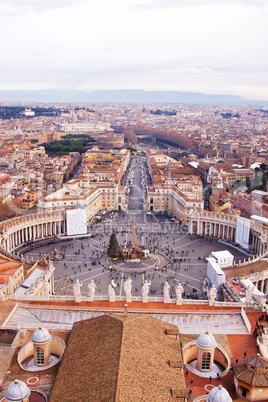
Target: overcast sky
[{"x": 211, "y": 46}]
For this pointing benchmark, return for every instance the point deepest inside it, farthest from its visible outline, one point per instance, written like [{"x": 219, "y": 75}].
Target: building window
[
  {"x": 40, "y": 356},
  {"x": 206, "y": 361}
]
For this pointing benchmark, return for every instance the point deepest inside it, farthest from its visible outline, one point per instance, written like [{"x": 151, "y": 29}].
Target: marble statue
[
  {"x": 111, "y": 290},
  {"x": 43, "y": 260},
  {"x": 212, "y": 294},
  {"x": 166, "y": 292},
  {"x": 91, "y": 290},
  {"x": 10, "y": 287},
  {"x": 145, "y": 291},
  {"x": 179, "y": 291},
  {"x": 2, "y": 295},
  {"x": 127, "y": 289},
  {"x": 77, "y": 292},
  {"x": 248, "y": 294},
  {"x": 51, "y": 267},
  {"x": 46, "y": 287},
  {"x": 55, "y": 254}
]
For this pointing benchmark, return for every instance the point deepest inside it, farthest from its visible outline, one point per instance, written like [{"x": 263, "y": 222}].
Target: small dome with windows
[
  {"x": 206, "y": 341},
  {"x": 41, "y": 336},
  {"x": 218, "y": 394},
  {"x": 17, "y": 391}
]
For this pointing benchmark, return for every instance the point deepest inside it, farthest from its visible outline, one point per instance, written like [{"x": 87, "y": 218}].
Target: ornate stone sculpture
[
  {"x": 166, "y": 292},
  {"x": 46, "y": 287},
  {"x": 111, "y": 290},
  {"x": 91, "y": 290},
  {"x": 127, "y": 289},
  {"x": 212, "y": 295},
  {"x": 76, "y": 289},
  {"x": 145, "y": 291},
  {"x": 179, "y": 291},
  {"x": 43, "y": 260},
  {"x": 249, "y": 291},
  {"x": 2, "y": 295},
  {"x": 10, "y": 287},
  {"x": 51, "y": 267},
  {"x": 55, "y": 254}
]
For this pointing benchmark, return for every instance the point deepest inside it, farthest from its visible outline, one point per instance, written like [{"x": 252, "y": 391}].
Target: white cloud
[{"x": 147, "y": 44}]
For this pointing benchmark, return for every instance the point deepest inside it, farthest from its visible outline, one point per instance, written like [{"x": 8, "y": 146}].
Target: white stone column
[
  {"x": 198, "y": 226},
  {"x": 262, "y": 285},
  {"x": 265, "y": 285},
  {"x": 191, "y": 226}
]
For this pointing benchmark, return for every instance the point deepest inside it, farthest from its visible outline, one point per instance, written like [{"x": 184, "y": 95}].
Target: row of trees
[
  {"x": 76, "y": 136},
  {"x": 260, "y": 179},
  {"x": 165, "y": 112},
  {"x": 171, "y": 136},
  {"x": 64, "y": 147},
  {"x": 131, "y": 136}
]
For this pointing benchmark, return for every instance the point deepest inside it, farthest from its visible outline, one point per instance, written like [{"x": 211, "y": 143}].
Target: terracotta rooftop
[
  {"x": 110, "y": 358},
  {"x": 252, "y": 371}
]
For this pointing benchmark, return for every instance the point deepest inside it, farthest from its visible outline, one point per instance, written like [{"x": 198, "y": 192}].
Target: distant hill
[{"x": 123, "y": 96}]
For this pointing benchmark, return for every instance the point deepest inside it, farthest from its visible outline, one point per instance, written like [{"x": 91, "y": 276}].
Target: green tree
[{"x": 113, "y": 250}]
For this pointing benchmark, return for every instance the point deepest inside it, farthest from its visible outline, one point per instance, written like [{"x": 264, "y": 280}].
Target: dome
[
  {"x": 206, "y": 340},
  {"x": 218, "y": 394},
  {"x": 41, "y": 335},
  {"x": 17, "y": 391}
]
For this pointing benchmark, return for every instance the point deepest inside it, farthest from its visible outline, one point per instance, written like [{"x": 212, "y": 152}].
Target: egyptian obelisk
[{"x": 134, "y": 232}]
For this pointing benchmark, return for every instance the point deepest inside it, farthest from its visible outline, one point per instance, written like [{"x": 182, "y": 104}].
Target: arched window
[
  {"x": 40, "y": 356},
  {"x": 206, "y": 356}
]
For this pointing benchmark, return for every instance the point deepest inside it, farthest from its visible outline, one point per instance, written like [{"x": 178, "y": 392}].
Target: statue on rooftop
[
  {"x": 51, "y": 267},
  {"x": 166, "y": 292},
  {"x": 248, "y": 294},
  {"x": 55, "y": 254},
  {"x": 111, "y": 290},
  {"x": 145, "y": 291},
  {"x": 77, "y": 292},
  {"x": 179, "y": 291},
  {"x": 127, "y": 289},
  {"x": 212, "y": 295},
  {"x": 91, "y": 290},
  {"x": 46, "y": 287},
  {"x": 2, "y": 295},
  {"x": 44, "y": 260},
  {"x": 10, "y": 287}
]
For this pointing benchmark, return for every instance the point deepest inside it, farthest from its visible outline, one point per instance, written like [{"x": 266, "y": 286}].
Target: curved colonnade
[
  {"x": 21, "y": 230},
  {"x": 222, "y": 226}
]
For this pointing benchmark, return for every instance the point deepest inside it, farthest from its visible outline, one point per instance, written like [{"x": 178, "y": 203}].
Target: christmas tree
[{"x": 113, "y": 250}]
